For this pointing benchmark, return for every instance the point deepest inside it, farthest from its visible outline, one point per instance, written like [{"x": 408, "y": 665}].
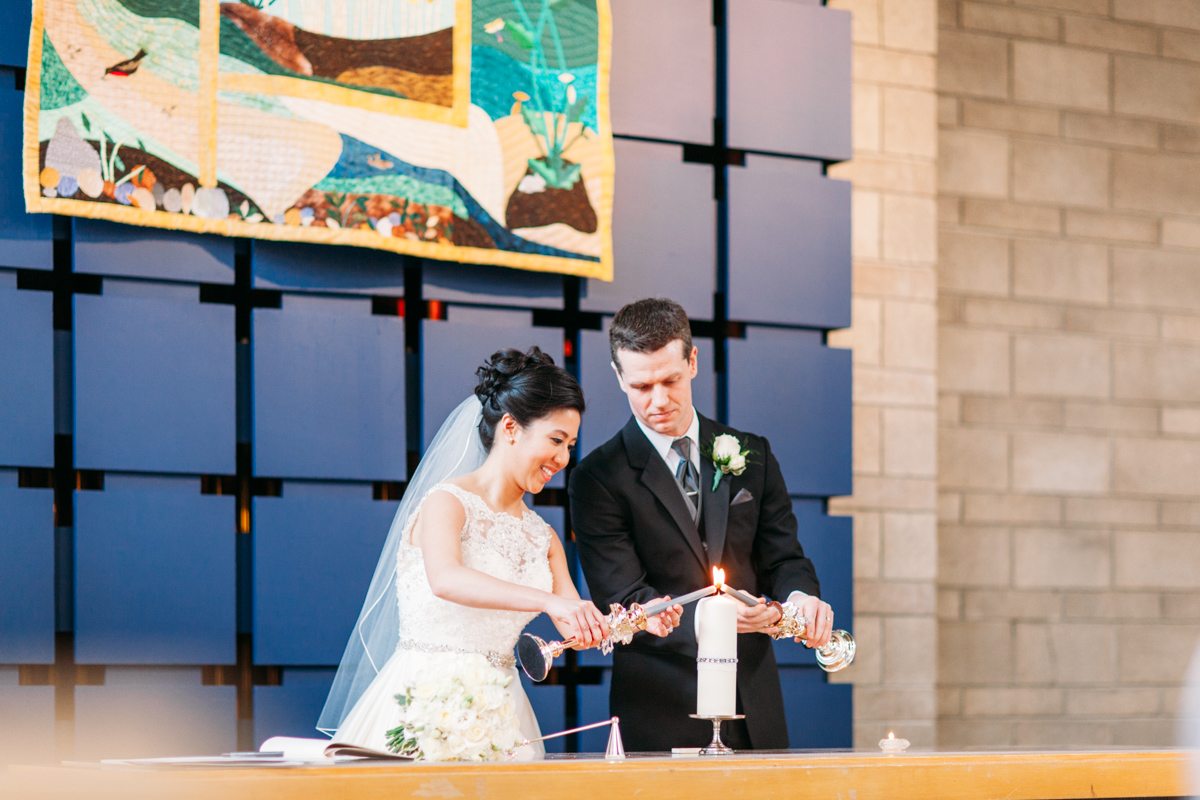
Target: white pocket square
[{"x": 742, "y": 497}]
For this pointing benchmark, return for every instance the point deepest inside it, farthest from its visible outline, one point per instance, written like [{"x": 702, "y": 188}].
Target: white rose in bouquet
[{"x": 456, "y": 708}]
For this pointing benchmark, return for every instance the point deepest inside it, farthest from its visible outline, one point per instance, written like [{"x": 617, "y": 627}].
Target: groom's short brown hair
[{"x": 648, "y": 325}]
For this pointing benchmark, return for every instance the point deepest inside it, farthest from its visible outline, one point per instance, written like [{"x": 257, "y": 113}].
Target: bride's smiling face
[{"x": 534, "y": 453}]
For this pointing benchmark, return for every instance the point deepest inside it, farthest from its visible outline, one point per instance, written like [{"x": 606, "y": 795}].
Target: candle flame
[
  {"x": 891, "y": 735},
  {"x": 718, "y": 577}
]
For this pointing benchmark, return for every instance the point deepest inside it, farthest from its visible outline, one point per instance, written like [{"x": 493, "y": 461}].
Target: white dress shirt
[{"x": 662, "y": 443}]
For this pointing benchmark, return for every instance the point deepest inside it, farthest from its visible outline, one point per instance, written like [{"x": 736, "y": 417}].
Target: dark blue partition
[
  {"x": 109, "y": 248},
  {"x": 485, "y": 285},
  {"x": 549, "y": 706},
  {"x": 787, "y": 386},
  {"x": 154, "y": 385},
  {"x": 829, "y": 542},
  {"x": 291, "y": 709},
  {"x": 662, "y": 86},
  {"x": 593, "y": 707},
  {"x": 789, "y": 78},
  {"x": 27, "y": 735},
  {"x": 143, "y": 718},
  {"x": 819, "y": 714},
  {"x": 664, "y": 231},
  {"x": 608, "y": 407},
  {"x": 27, "y": 575},
  {"x": 25, "y": 239},
  {"x": 329, "y": 395},
  {"x": 789, "y": 244},
  {"x": 154, "y": 575},
  {"x": 14, "y": 35},
  {"x": 327, "y": 268},
  {"x": 313, "y": 560},
  {"x": 453, "y": 350},
  {"x": 27, "y": 382}
]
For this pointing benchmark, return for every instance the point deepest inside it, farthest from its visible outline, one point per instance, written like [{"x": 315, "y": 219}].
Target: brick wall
[
  {"x": 1068, "y": 369},
  {"x": 894, "y": 336}
]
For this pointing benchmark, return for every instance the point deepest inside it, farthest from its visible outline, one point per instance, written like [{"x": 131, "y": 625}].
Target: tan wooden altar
[{"x": 828, "y": 776}]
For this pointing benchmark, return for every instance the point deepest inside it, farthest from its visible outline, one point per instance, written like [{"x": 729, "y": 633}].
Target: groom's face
[{"x": 659, "y": 386}]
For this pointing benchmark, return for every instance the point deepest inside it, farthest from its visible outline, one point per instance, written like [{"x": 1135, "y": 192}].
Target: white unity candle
[{"x": 716, "y": 664}]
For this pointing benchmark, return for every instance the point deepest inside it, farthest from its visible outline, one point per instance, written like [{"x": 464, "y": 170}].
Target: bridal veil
[{"x": 456, "y": 450}]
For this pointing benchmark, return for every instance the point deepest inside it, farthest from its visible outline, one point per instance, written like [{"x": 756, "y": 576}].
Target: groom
[{"x": 649, "y": 523}]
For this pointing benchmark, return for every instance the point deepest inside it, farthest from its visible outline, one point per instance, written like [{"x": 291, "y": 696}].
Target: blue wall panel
[
  {"x": 14, "y": 35},
  {"x": 291, "y": 709},
  {"x": 485, "y": 285},
  {"x": 787, "y": 386},
  {"x": 819, "y": 714},
  {"x": 453, "y": 350},
  {"x": 109, "y": 248},
  {"x": 27, "y": 735},
  {"x": 789, "y": 244},
  {"x": 804, "y": 106},
  {"x": 27, "y": 385},
  {"x": 25, "y": 239},
  {"x": 662, "y": 87},
  {"x": 549, "y": 705},
  {"x": 593, "y": 707},
  {"x": 27, "y": 575},
  {"x": 608, "y": 407},
  {"x": 154, "y": 578},
  {"x": 829, "y": 542},
  {"x": 327, "y": 268},
  {"x": 664, "y": 231},
  {"x": 313, "y": 560},
  {"x": 144, "y": 720},
  {"x": 154, "y": 385},
  {"x": 329, "y": 395}
]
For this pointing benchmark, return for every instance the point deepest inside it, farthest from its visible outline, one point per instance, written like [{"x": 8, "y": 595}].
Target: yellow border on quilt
[
  {"x": 602, "y": 269},
  {"x": 209, "y": 58},
  {"x": 32, "y": 111},
  {"x": 358, "y": 237},
  {"x": 306, "y": 89}
]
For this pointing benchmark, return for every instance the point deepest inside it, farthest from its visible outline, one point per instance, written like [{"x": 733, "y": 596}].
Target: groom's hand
[
  {"x": 664, "y": 623},
  {"x": 757, "y": 619},
  {"x": 819, "y": 621}
]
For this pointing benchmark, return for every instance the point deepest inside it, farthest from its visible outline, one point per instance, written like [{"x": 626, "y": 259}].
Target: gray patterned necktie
[{"x": 686, "y": 474}]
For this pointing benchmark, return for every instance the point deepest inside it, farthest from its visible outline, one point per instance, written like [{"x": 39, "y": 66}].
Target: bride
[{"x": 467, "y": 565}]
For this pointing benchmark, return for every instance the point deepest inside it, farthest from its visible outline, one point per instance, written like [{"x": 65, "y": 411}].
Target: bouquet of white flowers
[{"x": 456, "y": 708}]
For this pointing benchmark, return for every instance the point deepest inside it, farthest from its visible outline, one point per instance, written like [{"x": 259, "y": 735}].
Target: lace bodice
[{"x": 511, "y": 549}]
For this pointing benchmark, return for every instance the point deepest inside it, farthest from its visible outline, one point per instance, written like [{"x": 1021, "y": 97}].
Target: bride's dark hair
[{"x": 527, "y": 386}]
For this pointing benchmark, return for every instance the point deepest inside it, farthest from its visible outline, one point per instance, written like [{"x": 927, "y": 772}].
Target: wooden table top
[{"x": 850, "y": 775}]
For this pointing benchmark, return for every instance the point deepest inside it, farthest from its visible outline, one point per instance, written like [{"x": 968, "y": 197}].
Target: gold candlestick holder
[
  {"x": 537, "y": 655},
  {"x": 838, "y": 652},
  {"x": 716, "y": 747}
]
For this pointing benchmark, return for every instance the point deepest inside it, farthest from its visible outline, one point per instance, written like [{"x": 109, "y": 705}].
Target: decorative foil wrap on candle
[{"x": 716, "y": 658}]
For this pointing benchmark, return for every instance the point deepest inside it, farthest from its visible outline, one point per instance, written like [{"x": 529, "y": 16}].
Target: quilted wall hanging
[{"x": 460, "y": 130}]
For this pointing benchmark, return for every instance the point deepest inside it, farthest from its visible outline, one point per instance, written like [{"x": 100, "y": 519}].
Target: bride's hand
[
  {"x": 579, "y": 619},
  {"x": 662, "y": 624}
]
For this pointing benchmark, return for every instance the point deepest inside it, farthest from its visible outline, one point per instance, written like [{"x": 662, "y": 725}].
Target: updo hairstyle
[{"x": 527, "y": 386}]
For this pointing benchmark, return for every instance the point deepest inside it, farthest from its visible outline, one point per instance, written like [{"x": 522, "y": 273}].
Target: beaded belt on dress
[{"x": 494, "y": 658}]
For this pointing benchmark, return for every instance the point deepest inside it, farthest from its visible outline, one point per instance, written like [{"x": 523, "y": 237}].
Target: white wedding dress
[{"x": 511, "y": 549}]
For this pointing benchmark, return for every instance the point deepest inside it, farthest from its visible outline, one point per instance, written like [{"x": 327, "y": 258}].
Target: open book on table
[{"x": 293, "y": 748}]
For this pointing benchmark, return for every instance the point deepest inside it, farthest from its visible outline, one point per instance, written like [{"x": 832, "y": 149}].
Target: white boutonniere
[{"x": 727, "y": 456}]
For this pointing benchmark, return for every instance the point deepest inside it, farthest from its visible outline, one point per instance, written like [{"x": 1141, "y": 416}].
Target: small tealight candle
[{"x": 893, "y": 745}]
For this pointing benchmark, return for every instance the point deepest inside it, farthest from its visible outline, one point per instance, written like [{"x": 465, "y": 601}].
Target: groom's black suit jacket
[{"x": 637, "y": 541}]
